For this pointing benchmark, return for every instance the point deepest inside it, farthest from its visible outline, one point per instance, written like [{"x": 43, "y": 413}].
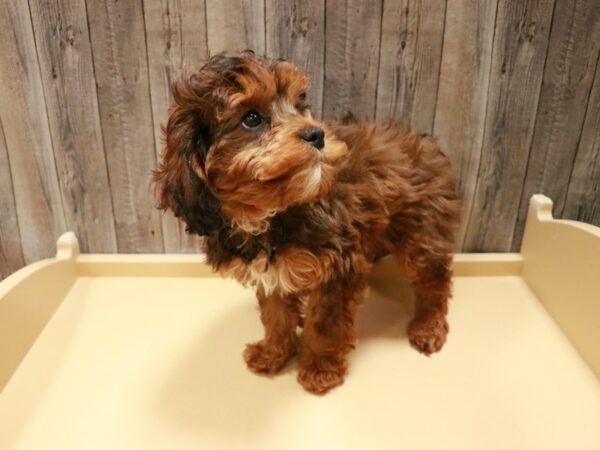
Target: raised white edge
[
  {"x": 540, "y": 208},
  {"x": 67, "y": 246}
]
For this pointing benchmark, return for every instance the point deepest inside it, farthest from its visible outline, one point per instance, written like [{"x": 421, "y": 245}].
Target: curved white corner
[
  {"x": 67, "y": 246},
  {"x": 540, "y": 208}
]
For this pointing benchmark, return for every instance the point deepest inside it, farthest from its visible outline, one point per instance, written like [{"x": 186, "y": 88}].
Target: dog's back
[{"x": 400, "y": 178}]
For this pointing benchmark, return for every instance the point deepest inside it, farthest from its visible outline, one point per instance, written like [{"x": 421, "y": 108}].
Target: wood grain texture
[
  {"x": 175, "y": 37},
  {"x": 411, "y": 50},
  {"x": 121, "y": 66},
  {"x": 65, "y": 58},
  {"x": 583, "y": 195},
  {"x": 352, "y": 38},
  {"x": 25, "y": 123},
  {"x": 295, "y": 30},
  {"x": 11, "y": 254},
  {"x": 518, "y": 55},
  {"x": 510, "y": 88},
  {"x": 463, "y": 92},
  {"x": 568, "y": 76},
  {"x": 234, "y": 26}
]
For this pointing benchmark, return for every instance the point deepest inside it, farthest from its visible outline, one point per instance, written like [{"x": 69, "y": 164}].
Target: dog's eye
[
  {"x": 252, "y": 120},
  {"x": 302, "y": 96}
]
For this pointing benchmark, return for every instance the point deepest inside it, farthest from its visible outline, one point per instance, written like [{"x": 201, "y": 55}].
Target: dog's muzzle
[{"x": 314, "y": 136}]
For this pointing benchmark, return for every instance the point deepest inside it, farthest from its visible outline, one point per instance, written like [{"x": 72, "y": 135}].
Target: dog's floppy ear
[{"x": 178, "y": 184}]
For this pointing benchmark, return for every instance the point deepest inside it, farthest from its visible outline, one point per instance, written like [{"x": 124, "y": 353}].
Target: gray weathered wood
[
  {"x": 25, "y": 124},
  {"x": 568, "y": 75},
  {"x": 352, "y": 37},
  {"x": 121, "y": 66},
  {"x": 463, "y": 91},
  {"x": 234, "y": 26},
  {"x": 583, "y": 196},
  {"x": 11, "y": 254},
  {"x": 65, "y": 57},
  {"x": 411, "y": 51},
  {"x": 295, "y": 31},
  {"x": 513, "y": 101},
  {"x": 518, "y": 55},
  {"x": 175, "y": 36}
]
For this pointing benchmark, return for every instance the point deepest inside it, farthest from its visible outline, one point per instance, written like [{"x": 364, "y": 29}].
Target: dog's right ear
[{"x": 178, "y": 181}]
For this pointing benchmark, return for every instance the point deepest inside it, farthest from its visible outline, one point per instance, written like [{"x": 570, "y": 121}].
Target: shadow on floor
[{"x": 210, "y": 392}]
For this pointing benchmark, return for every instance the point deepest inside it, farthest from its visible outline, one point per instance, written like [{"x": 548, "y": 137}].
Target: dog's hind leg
[
  {"x": 430, "y": 275},
  {"x": 280, "y": 316}
]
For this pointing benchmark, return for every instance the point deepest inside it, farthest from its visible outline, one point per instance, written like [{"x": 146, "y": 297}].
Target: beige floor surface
[{"x": 155, "y": 363}]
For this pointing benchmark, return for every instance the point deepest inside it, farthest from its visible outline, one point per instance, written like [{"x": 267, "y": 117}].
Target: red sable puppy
[{"x": 299, "y": 209}]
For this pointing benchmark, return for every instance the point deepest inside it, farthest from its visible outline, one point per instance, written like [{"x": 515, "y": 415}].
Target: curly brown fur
[{"x": 301, "y": 220}]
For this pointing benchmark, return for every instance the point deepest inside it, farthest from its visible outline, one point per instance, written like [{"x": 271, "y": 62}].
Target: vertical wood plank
[
  {"x": 295, "y": 31},
  {"x": 463, "y": 92},
  {"x": 583, "y": 196},
  {"x": 25, "y": 123},
  {"x": 518, "y": 55},
  {"x": 121, "y": 66},
  {"x": 65, "y": 57},
  {"x": 411, "y": 52},
  {"x": 11, "y": 254},
  {"x": 352, "y": 38},
  {"x": 568, "y": 76},
  {"x": 175, "y": 36},
  {"x": 234, "y": 26}
]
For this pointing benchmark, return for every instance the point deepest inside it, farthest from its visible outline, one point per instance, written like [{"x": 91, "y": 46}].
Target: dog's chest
[
  {"x": 268, "y": 277},
  {"x": 290, "y": 271}
]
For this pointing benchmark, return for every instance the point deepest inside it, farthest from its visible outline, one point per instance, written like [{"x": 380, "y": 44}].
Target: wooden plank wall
[{"x": 511, "y": 89}]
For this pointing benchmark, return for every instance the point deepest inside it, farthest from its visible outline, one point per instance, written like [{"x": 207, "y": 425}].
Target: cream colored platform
[{"x": 144, "y": 352}]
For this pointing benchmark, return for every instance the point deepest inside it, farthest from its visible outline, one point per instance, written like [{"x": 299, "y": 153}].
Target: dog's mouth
[
  {"x": 300, "y": 184},
  {"x": 286, "y": 172}
]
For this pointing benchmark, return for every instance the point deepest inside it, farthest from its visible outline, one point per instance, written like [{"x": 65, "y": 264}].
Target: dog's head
[{"x": 241, "y": 145}]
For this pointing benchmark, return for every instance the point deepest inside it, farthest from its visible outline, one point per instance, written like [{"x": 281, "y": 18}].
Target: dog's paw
[
  {"x": 263, "y": 358},
  {"x": 428, "y": 335},
  {"x": 319, "y": 379}
]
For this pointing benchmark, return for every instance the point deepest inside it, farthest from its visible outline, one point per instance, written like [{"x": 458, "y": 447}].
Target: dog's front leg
[
  {"x": 279, "y": 315},
  {"x": 329, "y": 334}
]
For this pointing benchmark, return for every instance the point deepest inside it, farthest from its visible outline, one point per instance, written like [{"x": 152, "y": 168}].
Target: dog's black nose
[{"x": 314, "y": 136}]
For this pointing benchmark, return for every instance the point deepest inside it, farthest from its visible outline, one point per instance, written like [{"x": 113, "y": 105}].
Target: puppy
[{"x": 300, "y": 209}]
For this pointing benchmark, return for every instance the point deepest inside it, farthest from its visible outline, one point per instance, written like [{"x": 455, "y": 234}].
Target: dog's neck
[
  {"x": 233, "y": 240},
  {"x": 298, "y": 225},
  {"x": 254, "y": 227}
]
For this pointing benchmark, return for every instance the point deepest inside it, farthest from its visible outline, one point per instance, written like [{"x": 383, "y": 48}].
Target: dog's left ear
[{"x": 178, "y": 185}]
